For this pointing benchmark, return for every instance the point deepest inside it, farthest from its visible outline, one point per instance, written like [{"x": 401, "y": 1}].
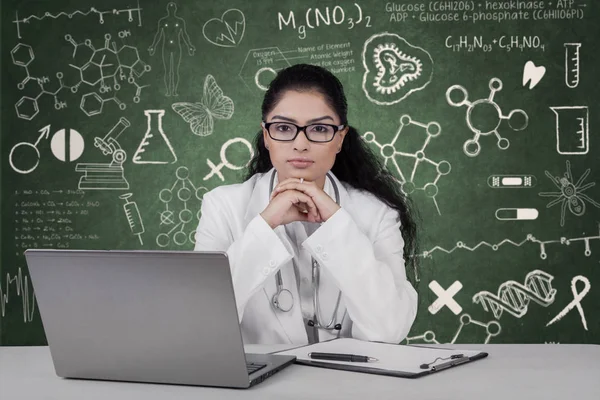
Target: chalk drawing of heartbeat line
[
  {"x": 22, "y": 290},
  {"x": 529, "y": 239},
  {"x": 92, "y": 10},
  {"x": 513, "y": 297},
  {"x": 232, "y": 33}
]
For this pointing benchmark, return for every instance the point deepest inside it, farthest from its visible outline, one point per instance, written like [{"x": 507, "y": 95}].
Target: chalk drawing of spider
[{"x": 570, "y": 194}]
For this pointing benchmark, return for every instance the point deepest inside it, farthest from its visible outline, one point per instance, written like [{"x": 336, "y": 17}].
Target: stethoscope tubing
[{"x": 315, "y": 277}]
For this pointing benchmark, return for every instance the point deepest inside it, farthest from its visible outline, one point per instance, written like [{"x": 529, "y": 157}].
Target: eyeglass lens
[{"x": 316, "y": 132}]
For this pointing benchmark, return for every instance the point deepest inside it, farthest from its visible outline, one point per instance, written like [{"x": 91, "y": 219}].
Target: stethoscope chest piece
[{"x": 283, "y": 300}]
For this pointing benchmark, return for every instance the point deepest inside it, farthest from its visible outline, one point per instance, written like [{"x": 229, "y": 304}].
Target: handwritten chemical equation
[
  {"x": 497, "y": 11},
  {"x": 504, "y": 43},
  {"x": 314, "y": 18},
  {"x": 46, "y": 218}
]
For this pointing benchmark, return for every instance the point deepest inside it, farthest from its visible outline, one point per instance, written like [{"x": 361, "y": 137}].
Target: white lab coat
[{"x": 359, "y": 250}]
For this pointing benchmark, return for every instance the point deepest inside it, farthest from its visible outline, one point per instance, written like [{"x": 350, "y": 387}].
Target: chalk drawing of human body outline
[{"x": 171, "y": 29}]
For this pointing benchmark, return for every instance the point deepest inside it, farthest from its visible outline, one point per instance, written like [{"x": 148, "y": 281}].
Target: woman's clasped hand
[{"x": 295, "y": 199}]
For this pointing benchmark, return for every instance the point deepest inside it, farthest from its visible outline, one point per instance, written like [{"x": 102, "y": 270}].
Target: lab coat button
[
  {"x": 272, "y": 263},
  {"x": 324, "y": 256},
  {"x": 319, "y": 248},
  {"x": 266, "y": 271}
]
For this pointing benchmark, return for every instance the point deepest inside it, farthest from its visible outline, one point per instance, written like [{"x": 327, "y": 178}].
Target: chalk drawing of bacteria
[{"x": 394, "y": 68}]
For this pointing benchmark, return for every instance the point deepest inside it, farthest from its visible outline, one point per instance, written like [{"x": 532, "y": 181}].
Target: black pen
[
  {"x": 341, "y": 357},
  {"x": 449, "y": 364}
]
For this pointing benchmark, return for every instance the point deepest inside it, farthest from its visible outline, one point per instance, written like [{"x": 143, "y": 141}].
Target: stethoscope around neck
[{"x": 283, "y": 300}]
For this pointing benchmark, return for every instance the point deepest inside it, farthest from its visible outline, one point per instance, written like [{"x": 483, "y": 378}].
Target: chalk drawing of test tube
[{"x": 572, "y": 64}]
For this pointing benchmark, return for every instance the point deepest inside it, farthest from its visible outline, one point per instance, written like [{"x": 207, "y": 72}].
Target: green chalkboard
[{"x": 117, "y": 116}]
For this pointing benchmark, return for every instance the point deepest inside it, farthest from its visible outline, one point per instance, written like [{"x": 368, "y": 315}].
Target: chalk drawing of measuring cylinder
[
  {"x": 216, "y": 169},
  {"x": 513, "y": 297},
  {"x": 572, "y": 64},
  {"x": 106, "y": 176},
  {"x": 66, "y": 145},
  {"x": 484, "y": 117}
]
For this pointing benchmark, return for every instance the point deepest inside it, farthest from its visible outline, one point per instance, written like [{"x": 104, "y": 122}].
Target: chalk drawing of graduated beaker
[
  {"x": 572, "y": 129},
  {"x": 153, "y": 147}
]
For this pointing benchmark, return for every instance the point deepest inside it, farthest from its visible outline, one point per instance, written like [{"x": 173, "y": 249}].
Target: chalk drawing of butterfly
[{"x": 201, "y": 115}]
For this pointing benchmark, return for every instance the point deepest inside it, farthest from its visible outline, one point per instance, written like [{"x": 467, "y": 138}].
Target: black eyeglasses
[{"x": 287, "y": 132}]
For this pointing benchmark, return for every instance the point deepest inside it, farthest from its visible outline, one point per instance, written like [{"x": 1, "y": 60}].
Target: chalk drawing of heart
[{"x": 227, "y": 31}]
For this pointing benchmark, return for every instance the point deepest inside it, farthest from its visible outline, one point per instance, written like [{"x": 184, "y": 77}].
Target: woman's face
[{"x": 302, "y": 158}]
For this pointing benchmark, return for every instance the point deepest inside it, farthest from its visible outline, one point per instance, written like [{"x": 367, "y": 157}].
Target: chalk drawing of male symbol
[{"x": 227, "y": 31}]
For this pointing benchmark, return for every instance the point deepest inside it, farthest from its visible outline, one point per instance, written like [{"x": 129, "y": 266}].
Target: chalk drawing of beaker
[
  {"x": 572, "y": 129},
  {"x": 152, "y": 147}
]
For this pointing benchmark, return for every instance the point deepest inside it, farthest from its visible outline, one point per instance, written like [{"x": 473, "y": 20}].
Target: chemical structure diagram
[
  {"x": 103, "y": 68},
  {"x": 492, "y": 328},
  {"x": 486, "y": 109},
  {"x": 543, "y": 244},
  {"x": 389, "y": 153},
  {"x": 184, "y": 194},
  {"x": 129, "y": 11}
]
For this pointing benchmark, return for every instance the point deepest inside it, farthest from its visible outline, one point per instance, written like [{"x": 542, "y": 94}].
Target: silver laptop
[{"x": 144, "y": 316}]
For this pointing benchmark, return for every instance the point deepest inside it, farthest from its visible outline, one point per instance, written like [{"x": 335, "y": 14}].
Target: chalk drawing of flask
[{"x": 155, "y": 147}]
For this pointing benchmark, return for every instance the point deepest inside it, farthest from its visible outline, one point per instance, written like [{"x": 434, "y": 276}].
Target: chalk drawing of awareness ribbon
[{"x": 577, "y": 297}]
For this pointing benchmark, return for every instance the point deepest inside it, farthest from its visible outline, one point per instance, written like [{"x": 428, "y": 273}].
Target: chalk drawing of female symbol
[
  {"x": 225, "y": 162},
  {"x": 393, "y": 68}
]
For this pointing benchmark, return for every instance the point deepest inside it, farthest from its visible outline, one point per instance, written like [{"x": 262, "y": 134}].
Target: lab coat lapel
[{"x": 291, "y": 322}]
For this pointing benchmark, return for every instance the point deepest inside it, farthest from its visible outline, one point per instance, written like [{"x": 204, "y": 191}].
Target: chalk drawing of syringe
[{"x": 134, "y": 219}]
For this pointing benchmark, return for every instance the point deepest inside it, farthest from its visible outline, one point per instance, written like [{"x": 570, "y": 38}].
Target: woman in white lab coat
[{"x": 319, "y": 236}]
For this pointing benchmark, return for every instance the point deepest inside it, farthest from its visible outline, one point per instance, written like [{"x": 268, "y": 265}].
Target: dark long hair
[{"x": 355, "y": 164}]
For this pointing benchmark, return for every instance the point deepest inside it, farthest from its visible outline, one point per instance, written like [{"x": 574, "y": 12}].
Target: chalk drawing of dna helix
[{"x": 513, "y": 297}]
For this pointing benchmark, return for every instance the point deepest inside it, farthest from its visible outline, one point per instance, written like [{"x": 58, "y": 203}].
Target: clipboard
[{"x": 402, "y": 361}]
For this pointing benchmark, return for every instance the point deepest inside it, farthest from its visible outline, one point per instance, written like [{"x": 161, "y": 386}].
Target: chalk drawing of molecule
[
  {"x": 186, "y": 216},
  {"x": 389, "y": 153},
  {"x": 492, "y": 329},
  {"x": 101, "y": 69},
  {"x": 481, "y": 112}
]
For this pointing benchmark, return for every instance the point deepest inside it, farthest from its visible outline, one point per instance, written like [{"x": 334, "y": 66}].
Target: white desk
[{"x": 511, "y": 372}]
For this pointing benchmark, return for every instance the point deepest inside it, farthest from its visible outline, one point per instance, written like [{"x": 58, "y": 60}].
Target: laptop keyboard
[{"x": 253, "y": 367}]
